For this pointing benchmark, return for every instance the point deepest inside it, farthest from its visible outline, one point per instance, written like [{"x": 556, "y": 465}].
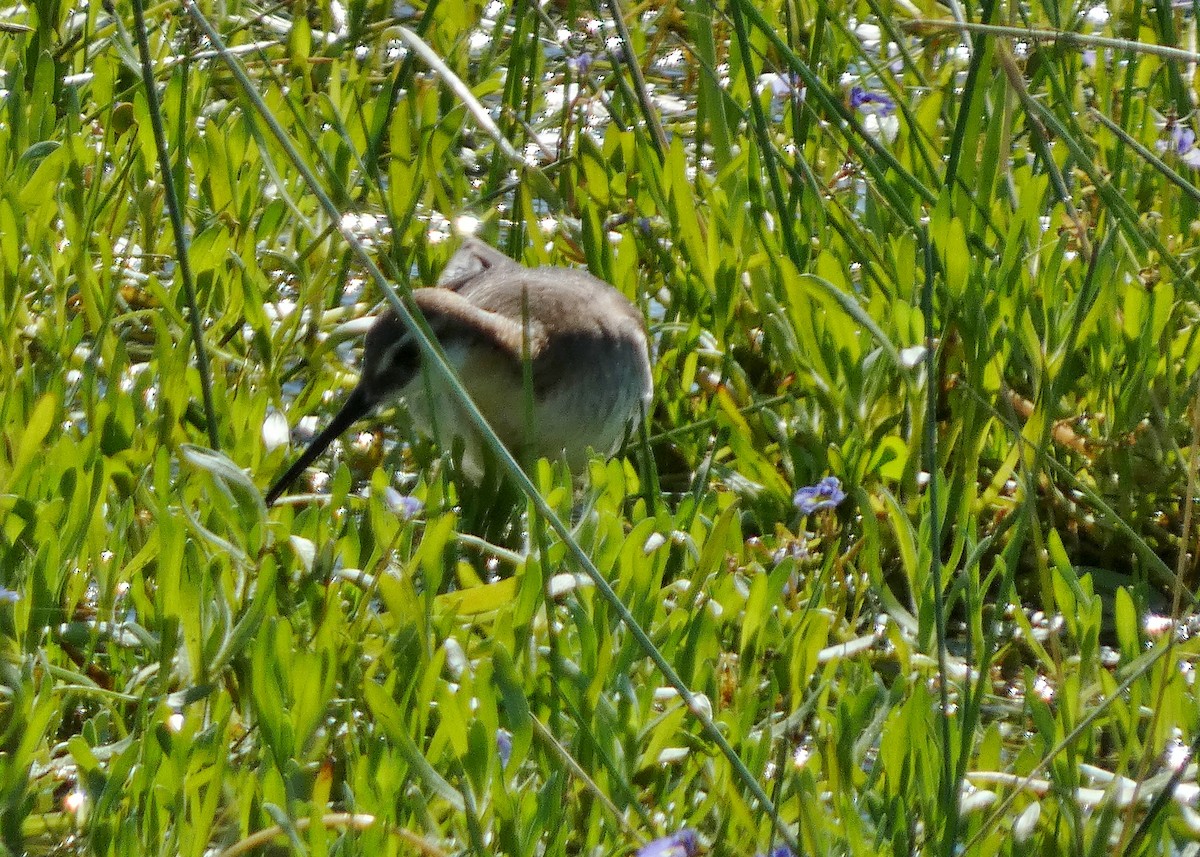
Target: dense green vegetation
[{"x": 983, "y": 649}]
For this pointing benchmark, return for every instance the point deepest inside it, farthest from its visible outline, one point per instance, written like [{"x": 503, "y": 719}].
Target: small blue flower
[
  {"x": 779, "y": 851},
  {"x": 504, "y": 746},
  {"x": 1184, "y": 139},
  {"x": 580, "y": 64},
  {"x": 9, "y": 596},
  {"x": 1180, "y": 139},
  {"x": 867, "y": 102},
  {"x": 683, "y": 843},
  {"x": 826, "y": 494},
  {"x": 403, "y": 506}
]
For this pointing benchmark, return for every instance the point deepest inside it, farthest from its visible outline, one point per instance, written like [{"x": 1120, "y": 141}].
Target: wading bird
[{"x": 588, "y": 373}]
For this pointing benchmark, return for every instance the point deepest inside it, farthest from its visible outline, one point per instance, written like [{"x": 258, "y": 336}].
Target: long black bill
[{"x": 357, "y": 406}]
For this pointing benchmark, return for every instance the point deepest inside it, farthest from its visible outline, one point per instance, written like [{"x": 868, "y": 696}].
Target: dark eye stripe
[{"x": 398, "y": 363}]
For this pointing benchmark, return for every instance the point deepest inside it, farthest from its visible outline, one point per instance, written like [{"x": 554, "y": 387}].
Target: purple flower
[
  {"x": 682, "y": 843},
  {"x": 867, "y": 102},
  {"x": 826, "y": 494},
  {"x": 1181, "y": 140},
  {"x": 779, "y": 851},
  {"x": 580, "y": 64},
  {"x": 402, "y": 506},
  {"x": 1184, "y": 139},
  {"x": 9, "y": 596},
  {"x": 503, "y": 746}
]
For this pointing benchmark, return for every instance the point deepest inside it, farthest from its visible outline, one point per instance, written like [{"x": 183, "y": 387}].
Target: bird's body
[{"x": 588, "y": 370}]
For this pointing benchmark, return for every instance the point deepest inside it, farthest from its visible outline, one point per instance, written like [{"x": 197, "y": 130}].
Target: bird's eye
[{"x": 397, "y": 363}]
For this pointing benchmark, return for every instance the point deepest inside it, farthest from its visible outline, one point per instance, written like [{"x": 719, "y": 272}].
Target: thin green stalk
[
  {"x": 1059, "y": 37},
  {"x": 765, "y": 146},
  {"x": 1127, "y": 114},
  {"x": 970, "y": 103},
  {"x": 658, "y": 137},
  {"x": 177, "y": 225},
  {"x": 949, "y": 781},
  {"x": 1145, "y": 154}
]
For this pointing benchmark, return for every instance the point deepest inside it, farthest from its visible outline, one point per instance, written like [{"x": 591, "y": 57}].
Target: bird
[{"x": 588, "y": 358}]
